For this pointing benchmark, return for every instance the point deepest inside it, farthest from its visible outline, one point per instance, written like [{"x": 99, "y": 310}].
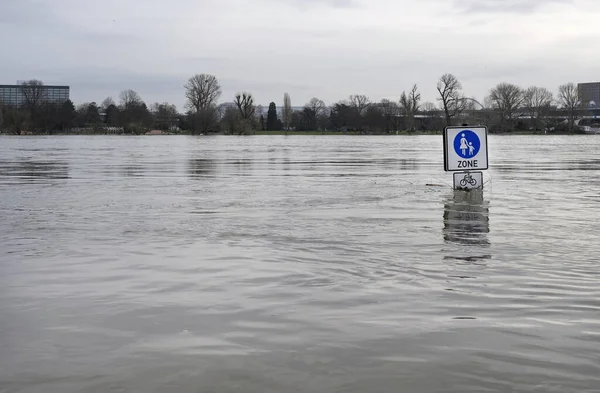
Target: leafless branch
[
  {"x": 569, "y": 97},
  {"x": 245, "y": 104},
  {"x": 202, "y": 91}
]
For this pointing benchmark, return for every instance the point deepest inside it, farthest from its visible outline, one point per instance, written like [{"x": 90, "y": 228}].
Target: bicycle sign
[
  {"x": 468, "y": 180},
  {"x": 465, "y": 148}
]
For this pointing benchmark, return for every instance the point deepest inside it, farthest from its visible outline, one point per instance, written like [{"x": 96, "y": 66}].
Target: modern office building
[
  {"x": 13, "y": 95},
  {"x": 590, "y": 92}
]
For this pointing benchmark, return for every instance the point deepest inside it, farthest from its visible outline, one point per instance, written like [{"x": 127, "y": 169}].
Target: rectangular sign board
[
  {"x": 468, "y": 180},
  {"x": 465, "y": 148}
]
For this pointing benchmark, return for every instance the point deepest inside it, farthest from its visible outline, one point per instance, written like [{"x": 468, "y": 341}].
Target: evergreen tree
[
  {"x": 66, "y": 117},
  {"x": 92, "y": 115},
  {"x": 112, "y": 116},
  {"x": 272, "y": 122}
]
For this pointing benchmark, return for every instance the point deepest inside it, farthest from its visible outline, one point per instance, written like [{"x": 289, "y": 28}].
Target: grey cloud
[
  {"x": 304, "y": 4},
  {"x": 244, "y": 85},
  {"x": 26, "y": 13},
  {"x": 154, "y": 49},
  {"x": 336, "y": 3},
  {"x": 200, "y": 61},
  {"x": 504, "y": 6},
  {"x": 42, "y": 17},
  {"x": 108, "y": 38},
  {"x": 498, "y": 72},
  {"x": 96, "y": 83}
]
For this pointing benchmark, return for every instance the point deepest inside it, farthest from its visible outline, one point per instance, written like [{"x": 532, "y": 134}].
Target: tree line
[
  {"x": 504, "y": 109},
  {"x": 130, "y": 115}
]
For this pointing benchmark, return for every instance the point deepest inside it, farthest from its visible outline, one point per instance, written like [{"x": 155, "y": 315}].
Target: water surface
[{"x": 297, "y": 264}]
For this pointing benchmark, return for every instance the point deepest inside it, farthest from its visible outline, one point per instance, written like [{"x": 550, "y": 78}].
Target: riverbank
[
  {"x": 279, "y": 133},
  {"x": 341, "y": 133}
]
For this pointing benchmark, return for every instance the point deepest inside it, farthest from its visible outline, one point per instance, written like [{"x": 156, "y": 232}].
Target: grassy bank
[
  {"x": 312, "y": 133},
  {"x": 304, "y": 133},
  {"x": 340, "y": 133}
]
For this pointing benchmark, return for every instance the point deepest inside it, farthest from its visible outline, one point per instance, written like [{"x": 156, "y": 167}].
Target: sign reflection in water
[{"x": 466, "y": 219}]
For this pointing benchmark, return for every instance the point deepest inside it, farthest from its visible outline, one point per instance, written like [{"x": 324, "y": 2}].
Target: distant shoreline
[{"x": 287, "y": 133}]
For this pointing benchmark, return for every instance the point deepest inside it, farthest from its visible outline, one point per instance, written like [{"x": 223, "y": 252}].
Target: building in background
[
  {"x": 590, "y": 93},
  {"x": 12, "y": 95}
]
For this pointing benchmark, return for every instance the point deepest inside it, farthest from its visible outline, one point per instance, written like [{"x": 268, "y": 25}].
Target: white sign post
[{"x": 466, "y": 150}]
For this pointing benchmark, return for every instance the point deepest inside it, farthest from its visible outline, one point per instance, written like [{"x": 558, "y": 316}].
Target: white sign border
[{"x": 446, "y": 147}]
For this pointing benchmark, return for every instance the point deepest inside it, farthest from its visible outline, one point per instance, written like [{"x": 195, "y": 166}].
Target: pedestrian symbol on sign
[{"x": 467, "y": 144}]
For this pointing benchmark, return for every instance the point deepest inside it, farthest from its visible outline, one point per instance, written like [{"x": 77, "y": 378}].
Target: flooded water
[{"x": 297, "y": 264}]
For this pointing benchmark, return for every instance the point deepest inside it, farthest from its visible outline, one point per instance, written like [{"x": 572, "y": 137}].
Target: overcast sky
[{"x": 310, "y": 48}]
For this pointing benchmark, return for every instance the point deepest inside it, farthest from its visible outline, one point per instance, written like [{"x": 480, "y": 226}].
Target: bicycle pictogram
[{"x": 468, "y": 179}]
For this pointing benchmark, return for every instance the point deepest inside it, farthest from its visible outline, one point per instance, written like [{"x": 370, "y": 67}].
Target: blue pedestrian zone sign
[
  {"x": 465, "y": 148},
  {"x": 467, "y": 144}
]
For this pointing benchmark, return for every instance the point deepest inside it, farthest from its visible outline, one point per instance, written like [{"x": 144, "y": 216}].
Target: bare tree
[
  {"x": 317, "y": 106},
  {"x": 287, "y": 111},
  {"x": 429, "y": 107},
  {"x": 246, "y": 110},
  {"x": 409, "y": 105},
  {"x": 33, "y": 94},
  {"x": 229, "y": 118},
  {"x": 389, "y": 108},
  {"x": 163, "y": 108},
  {"x": 221, "y": 109},
  {"x": 206, "y": 120},
  {"x": 245, "y": 104},
  {"x": 15, "y": 121},
  {"x": 537, "y": 101},
  {"x": 165, "y": 115},
  {"x": 259, "y": 111},
  {"x": 202, "y": 91},
  {"x": 359, "y": 103},
  {"x": 433, "y": 121},
  {"x": 108, "y": 101},
  {"x": 390, "y": 111},
  {"x": 130, "y": 99},
  {"x": 415, "y": 99},
  {"x": 506, "y": 98},
  {"x": 569, "y": 97},
  {"x": 451, "y": 97},
  {"x": 259, "y": 117},
  {"x": 313, "y": 114}
]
